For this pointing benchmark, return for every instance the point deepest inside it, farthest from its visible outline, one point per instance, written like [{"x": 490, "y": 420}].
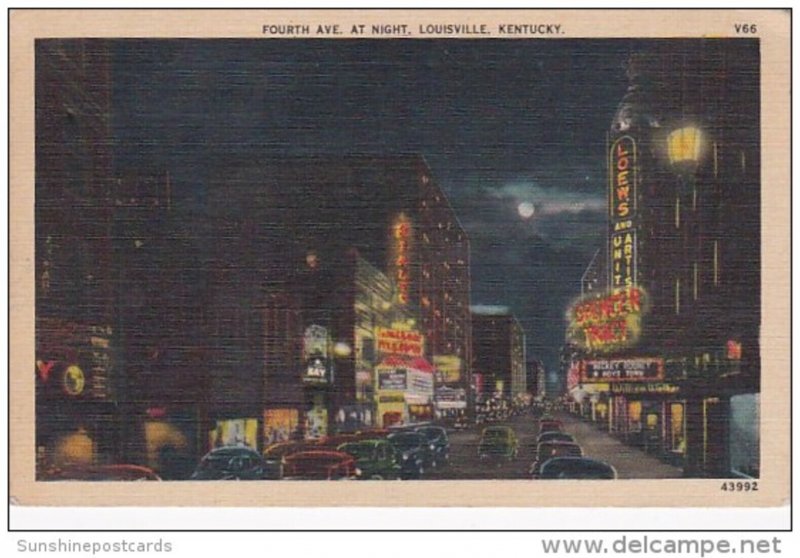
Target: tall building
[
  {"x": 75, "y": 282},
  {"x": 307, "y": 215},
  {"x": 672, "y": 348},
  {"x": 499, "y": 351}
]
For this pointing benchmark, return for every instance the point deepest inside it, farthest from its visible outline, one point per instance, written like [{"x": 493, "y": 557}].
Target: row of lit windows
[{"x": 695, "y": 281}]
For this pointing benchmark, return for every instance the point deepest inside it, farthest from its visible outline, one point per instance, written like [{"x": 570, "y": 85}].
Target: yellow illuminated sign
[
  {"x": 607, "y": 322},
  {"x": 401, "y": 261},
  {"x": 74, "y": 380}
]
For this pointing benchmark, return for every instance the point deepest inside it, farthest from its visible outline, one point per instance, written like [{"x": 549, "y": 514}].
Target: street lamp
[
  {"x": 342, "y": 349},
  {"x": 684, "y": 147}
]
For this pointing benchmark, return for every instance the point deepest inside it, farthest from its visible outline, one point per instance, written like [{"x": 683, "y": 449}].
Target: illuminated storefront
[
  {"x": 280, "y": 425},
  {"x": 405, "y": 390},
  {"x": 76, "y": 415},
  {"x": 234, "y": 432}
]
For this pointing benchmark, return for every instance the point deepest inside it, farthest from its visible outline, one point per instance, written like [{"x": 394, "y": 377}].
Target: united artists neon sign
[
  {"x": 608, "y": 322},
  {"x": 622, "y": 205}
]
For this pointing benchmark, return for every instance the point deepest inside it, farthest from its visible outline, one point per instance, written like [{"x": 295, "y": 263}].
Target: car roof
[
  {"x": 556, "y": 434},
  {"x": 405, "y": 433},
  {"x": 369, "y": 442},
  {"x": 430, "y": 427},
  {"x": 110, "y": 472},
  {"x": 570, "y": 461},
  {"x": 231, "y": 450},
  {"x": 558, "y": 443},
  {"x": 319, "y": 454}
]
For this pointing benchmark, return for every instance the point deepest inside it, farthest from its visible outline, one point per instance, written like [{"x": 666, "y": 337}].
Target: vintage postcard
[{"x": 455, "y": 258}]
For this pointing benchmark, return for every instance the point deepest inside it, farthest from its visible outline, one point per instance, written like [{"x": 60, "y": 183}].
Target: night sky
[{"x": 500, "y": 122}]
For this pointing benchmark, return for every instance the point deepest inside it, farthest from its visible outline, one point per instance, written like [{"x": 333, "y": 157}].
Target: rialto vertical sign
[
  {"x": 622, "y": 207},
  {"x": 401, "y": 257}
]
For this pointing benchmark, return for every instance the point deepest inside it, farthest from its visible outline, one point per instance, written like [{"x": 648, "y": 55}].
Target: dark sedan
[
  {"x": 377, "y": 459},
  {"x": 230, "y": 463},
  {"x": 549, "y": 450},
  {"x": 438, "y": 443},
  {"x": 555, "y": 437},
  {"x": 579, "y": 468},
  {"x": 414, "y": 452},
  {"x": 550, "y": 425}
]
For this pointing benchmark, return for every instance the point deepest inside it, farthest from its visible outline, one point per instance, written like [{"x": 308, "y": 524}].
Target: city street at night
[
  {"x": 630, "y": 462},
  {"x": 261, "y": 259}
]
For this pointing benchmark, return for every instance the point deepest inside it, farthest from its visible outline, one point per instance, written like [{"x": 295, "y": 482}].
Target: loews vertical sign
[{"x": 622, "y": 207}]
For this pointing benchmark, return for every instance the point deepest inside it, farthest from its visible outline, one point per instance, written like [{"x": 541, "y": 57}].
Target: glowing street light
[
  {"x": 342, "y": 349},
  {"x": 684, "y": 146}
]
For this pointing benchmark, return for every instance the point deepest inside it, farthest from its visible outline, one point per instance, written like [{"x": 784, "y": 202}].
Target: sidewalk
[{"x": 630, "y": 462}]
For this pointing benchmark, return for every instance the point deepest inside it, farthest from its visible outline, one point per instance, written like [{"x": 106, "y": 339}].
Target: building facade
[
  {"x": 671, "y": 347},
  {"x": 499, "y": 352},
  {"x": 345, "y": 248},
  {"x": 76, "y": 376}
]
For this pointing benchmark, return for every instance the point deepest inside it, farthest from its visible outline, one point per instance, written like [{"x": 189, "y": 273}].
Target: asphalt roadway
[{"x": 630, "y": 462}]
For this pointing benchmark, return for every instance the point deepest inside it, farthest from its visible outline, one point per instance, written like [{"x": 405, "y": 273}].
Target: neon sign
[
  {"x": 608, "y": 322},
  {"x": 623, "y": 178},
  {"x": 400, "y": 342},
  {"x": 622, "y": 205},
  {"x": 623, "y": 370},
  {"x": 401, "y": 232}
]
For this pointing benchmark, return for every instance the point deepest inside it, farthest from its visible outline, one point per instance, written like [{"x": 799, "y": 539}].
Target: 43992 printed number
[{"x": 739, "y": 486}]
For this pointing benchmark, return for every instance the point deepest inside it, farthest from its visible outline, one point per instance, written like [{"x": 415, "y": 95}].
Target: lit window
[
  {"x": 677, "y": 296},
  {"x": 678, "y": 212},
  {"x": 743, "y": 157},
  {"x": 694, "y": 197},
  {"x": 716, "y": 167},
  {"x": 695, "y": 280},
  {"x": 716, "y": 262}
]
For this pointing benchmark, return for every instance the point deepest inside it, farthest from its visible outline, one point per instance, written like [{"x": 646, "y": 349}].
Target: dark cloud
[{"x": 499, "y": 122}]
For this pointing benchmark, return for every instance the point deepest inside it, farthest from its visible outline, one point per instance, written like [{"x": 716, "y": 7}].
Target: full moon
[{"x": 525, "y": 210}]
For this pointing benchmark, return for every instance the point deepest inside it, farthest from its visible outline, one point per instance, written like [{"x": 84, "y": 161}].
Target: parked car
[
  {"x": 333, "y": 441},
  {"x": 552, "y": 436},
  {"x": 322, "y": 464},
  {"x": 438, "y": 443},
  {"x": 580, "y": 468},
  {"x": 498, "y": 441},
  {"x": 118, "y": 472},
  {"x": 372, "y": 434},
  {"x": 230, "y": 463},
  {"x": 376, "y": 459},
  {"x": 550, "y": 425},
  {"x": 548, "y": 450},
  {"x": 275, "y": 457},
  {"x": 414, "y": 452}
]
